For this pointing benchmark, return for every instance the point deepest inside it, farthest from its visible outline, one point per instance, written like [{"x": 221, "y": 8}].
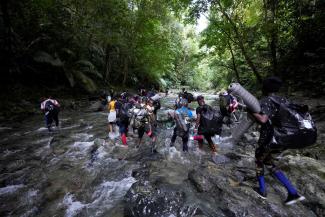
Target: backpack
[
  {"x": 210, "y": 121},
  {"x": 49, "y": 106},
  {"x": 156, "y": 105},
  {"x": 123, "y": 112},
  {"x": 293, "y": 125},
  {"x": 182, "y": 124},
  {"x": 224, "y": 101},
  {"x": 140, "y": 118}
]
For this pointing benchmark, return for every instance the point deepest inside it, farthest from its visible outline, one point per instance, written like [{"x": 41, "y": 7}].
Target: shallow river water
[{"x": 78, "y": 170}]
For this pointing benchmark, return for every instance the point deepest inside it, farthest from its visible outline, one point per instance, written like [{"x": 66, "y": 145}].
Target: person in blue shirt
[{"x": 182, "y": 116}]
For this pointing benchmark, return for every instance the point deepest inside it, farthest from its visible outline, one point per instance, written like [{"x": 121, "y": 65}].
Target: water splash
[
  {"x": 73, "y": 207},
  {"x": 10, "y": 189},
  {"x": 106, "y": 196}
]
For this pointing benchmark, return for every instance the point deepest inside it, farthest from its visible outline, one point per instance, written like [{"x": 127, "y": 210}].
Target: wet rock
[
  {"x": 144, "y": 200},
  {"x": 198, "y": 179}
]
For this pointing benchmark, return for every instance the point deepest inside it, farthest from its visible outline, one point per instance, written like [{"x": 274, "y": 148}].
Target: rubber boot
[
  {"x": 123, "y": 138},
  {"x": 285, "y": 182}
]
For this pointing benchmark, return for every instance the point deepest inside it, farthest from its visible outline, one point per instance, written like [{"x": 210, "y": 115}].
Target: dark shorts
[
  {"x": 145, "y": 129},
  {"x": 123, "y": 127}
]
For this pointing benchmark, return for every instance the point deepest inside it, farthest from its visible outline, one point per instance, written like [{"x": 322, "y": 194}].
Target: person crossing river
[
  {"x": 208, "y": 123},
  {"x": 144, "y": 122},
  {"x": 182, "y": 117}
]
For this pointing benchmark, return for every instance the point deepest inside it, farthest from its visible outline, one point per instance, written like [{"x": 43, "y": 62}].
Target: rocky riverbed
[{"x": 79, "y": 171}]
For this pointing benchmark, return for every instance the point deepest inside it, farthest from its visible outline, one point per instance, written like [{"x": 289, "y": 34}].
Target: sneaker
[
  {"x": 292, "y": 199},
  {"x": 262, "y": 195}
]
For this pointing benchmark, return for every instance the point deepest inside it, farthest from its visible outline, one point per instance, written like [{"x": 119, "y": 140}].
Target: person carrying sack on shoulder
[
  {"x": 51, "y": 109},
  {"x": 280, "y": 129}
]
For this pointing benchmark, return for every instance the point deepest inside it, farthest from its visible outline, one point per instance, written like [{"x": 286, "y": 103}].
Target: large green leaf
[
  {"x": 87, "y": 83},
  {"x": 87, "y": 67},
  {"x": 44, "y": 57}
]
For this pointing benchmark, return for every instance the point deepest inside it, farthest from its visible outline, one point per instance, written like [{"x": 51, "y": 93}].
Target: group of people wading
[{"x": 139, "y": 112}]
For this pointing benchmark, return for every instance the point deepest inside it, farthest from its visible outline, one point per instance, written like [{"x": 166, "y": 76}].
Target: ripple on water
[
  {"x": 5, "y": 128},
  {"x": 83, "y": 146},
  {"x": 10, "y": 189},
  {"x": 80, "y": 149},
  {"x": 82, "y": 136},
  {"x": 105, "y": 197},
  {"x": 73, "y": 207},
  {"x": 41, "y": 129},
  {"x": 173, "y": 154}
]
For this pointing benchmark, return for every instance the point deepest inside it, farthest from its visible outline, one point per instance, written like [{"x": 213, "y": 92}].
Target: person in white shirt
[{"x": 50, "y": 107}]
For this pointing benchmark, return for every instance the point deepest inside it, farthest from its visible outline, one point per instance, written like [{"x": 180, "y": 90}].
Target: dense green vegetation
[{"x": 92, "y": 44}]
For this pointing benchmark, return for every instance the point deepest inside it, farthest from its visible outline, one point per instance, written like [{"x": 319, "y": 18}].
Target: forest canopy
[{"x": 91, "y": 44}]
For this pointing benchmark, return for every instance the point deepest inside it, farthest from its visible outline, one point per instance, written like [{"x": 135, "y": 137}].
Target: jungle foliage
[{"x": 94, "y": 43}]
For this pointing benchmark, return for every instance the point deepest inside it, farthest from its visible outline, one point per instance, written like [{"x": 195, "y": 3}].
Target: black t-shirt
[
  {"x": 118, "y": 104},
  {"x": 202, "y": 108},
  {"x": 269, "y": 108}
]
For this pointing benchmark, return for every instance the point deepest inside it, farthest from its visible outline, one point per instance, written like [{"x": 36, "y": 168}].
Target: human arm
[
  {"x": 56, "y": 103},
  {"x": 198, "y": 120},
  {"x": 261, "y": 118},
  {"x": 43, "y": 106},
  {"x": 109, "y": 107}
]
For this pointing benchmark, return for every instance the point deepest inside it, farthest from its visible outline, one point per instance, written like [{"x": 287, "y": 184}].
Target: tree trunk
[
  {"x": 7, "y": 48},
  {"x": 241, "y": 44},
  {"x": 125, "y": 70},
  {"x": 233, "y": 62},
  {"x": 274, "y": 37},
  {"x": 108, "y": 65}
]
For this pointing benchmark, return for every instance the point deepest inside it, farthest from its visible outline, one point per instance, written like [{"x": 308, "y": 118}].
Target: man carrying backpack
[
  {"x": 278, "y": 132},
  {"x": 208, "y": 123},
  {"x": 182, "y": 117},
  {"x": 123, "y": 117},
  {"x": 50, "y": 107},
  {"x": 144, "y": 124}
]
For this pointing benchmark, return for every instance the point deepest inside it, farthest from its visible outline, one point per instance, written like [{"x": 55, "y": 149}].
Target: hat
[{"x": 200, "y": 97}]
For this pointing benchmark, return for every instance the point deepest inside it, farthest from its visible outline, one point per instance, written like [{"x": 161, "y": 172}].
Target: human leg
[
  {"x": 55, "y": 116},
  {"x": 173, "y": 139},
  {"x": 199, "y": 139},
  {"x": 260, "y": 155},
  {"x": 123, "y": 131},
  {"x": 140, "y": 134},
  {"x": 185, "y": 141},
  {"x": 211, "y": 144},
  {"x": 48, "y": 121}
]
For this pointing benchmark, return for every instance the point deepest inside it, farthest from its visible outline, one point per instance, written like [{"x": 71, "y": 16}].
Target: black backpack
[
  {"x": 156, "y": 105},
  {"x": 293, "y": 125},
  {"x": 210, "y": 121},
  {"x": 49, "y": 106},
  {"x": 123, "y": 112}
]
